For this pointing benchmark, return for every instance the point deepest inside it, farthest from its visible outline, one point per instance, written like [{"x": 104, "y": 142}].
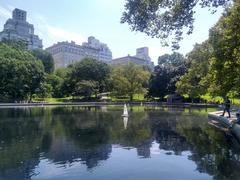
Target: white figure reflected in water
[
  {"x": 125, "y": 121},
  {"x": 103, "y": 108},
  {"x": 125, "y": 116},
  {"x": 125, "y": 111}
]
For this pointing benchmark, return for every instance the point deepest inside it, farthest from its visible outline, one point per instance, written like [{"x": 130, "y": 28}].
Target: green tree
[
  {"x": 15, "y": 53},
  {"x": 166, "y": 74},
  {"x": 56, "y": 82},
  {"x": 46, "y": 59},
  {"x": 16, "y": 44},
  {"x": 21, "y": 75},
  {"x": 86, "y": 88},
  {"x": 164, "y": 18},
  {"x": 225, "y": 64},
  {"x": 159, "y": 81},
  {"x": 62, "y": 72},
  {"x": 194, "y": 82},
  {"x": 129, "y": 79},
  {"x": 46, "y": 90},
  {"x": 174, "y": 60},
  {"x": 89, "y": 70}
]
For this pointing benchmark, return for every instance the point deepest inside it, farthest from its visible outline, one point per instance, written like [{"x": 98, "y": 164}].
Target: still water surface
[{"x": 94, "y": 143}]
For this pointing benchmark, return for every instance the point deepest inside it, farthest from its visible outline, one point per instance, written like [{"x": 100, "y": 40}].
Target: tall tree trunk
[
  {"x": 30, "y": 97},
  {"x": 131, "y": 97}
]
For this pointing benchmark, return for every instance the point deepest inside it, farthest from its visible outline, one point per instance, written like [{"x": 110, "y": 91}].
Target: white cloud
[
  {"x": 10, "y": 7},
  {"x": 52, "y": 34},
  {"x": 61, "y": 34},
  {"x": 5, "y": 13}
]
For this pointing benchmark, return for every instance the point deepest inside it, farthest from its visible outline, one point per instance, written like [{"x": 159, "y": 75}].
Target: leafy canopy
[
  {"x": 86, "y": 73},
  {"x": 129, "y": 79},
  {"x": 21, "y": 75},
  {"x": 193, "y": 83},
  {"x": 225, "y": 63},
  {"x": 215, "y": 64},
  {"x": 46, "y": 59},
  {"x": 166, "y": 74},
  {"x": 164, "y": 18}
]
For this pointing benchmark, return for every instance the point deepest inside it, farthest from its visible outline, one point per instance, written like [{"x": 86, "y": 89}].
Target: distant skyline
[{"x": 75, "y": 20}]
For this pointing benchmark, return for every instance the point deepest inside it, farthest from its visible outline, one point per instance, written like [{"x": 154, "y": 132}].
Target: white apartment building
[
  {"x": 17, "y": 28},
  {"x": 141, "y": 58},
  {"x": 66, "y": 53}
]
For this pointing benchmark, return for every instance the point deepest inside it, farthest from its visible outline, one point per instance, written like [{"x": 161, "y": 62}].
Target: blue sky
[{"x": 56, "y": 20}]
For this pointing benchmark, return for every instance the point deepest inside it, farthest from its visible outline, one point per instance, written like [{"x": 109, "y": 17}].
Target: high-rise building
[
  {"x": 18, "y": 28},
  {"x": 141, "y": 58},
  {"x": 66, "y": 53}
]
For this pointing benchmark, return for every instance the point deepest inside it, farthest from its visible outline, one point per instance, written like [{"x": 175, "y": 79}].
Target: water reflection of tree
[
  {"x": 93, "y": 129},
  {"x": 137, "y": 132},
  {"x": 66, "y": 135},
  {"x": 211, "y": 149},
  {"x": 164, "y": 128},
  {"x": 20, "y": 142},
  {"x": 81, "y": 136},
  {"x": 137, "y": 135}
]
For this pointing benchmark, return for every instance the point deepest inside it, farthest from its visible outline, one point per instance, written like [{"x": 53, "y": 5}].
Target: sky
[{"x": 75, "y": 20}]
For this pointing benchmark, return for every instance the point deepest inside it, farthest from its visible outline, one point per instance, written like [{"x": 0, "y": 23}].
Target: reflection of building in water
[
  {"x": 166, "y": 120},
  {"x": 63, "y": 152},
  {"x": 143, "y": 150},
  {"x": 171, "y": 141},
  {"x": 104, "y": 109},
  {"x": 164, "y": 127},
  {"x": 125, "y": 121}
]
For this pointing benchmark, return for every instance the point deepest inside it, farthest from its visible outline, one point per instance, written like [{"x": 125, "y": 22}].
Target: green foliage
[
  {"x": 88, "y": 74},
  {"x": 129, "y": 79},
  {"x": 215, "y": 64},
  {"x": 21, "y": 75},
  {"x": 56, "y": 82},
  {"x": 158, "y": 86},
  {"x": 16, "y": 44},
  {"x": 166, "y": 74},
  {"x": 64, "y": 82},
  {"x": 86, "y": 88},
  {"x": 174, "y": 60},
  {"x": 225, "y": 63},
  {"x": 15, "y": 53},
  {"x": 45, "y": 90},
  {"x": 193, "y": 83},
  {"x": 212, "y": 99},
  {"x": 164, "y": 18},
  {"x": 62, "y": 72},
  {"x": 90, "y": 69},
  {"x": 46, "y": 59}
]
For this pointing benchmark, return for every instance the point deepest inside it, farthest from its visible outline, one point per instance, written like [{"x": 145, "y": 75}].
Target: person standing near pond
[{"x": 227, "y": 104}]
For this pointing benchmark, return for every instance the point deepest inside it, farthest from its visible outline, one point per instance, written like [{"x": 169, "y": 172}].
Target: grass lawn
[
  {"x": 220, "y": 100},
  {"x": 53, "y": 100},
  {"x": 136, "y": 97}
]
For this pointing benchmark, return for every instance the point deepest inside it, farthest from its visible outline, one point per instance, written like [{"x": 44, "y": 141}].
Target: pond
[{"x": 93, "y": 143}]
